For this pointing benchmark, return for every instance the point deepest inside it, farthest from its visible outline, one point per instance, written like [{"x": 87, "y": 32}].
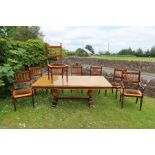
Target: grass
[
  {"x": 128, "y": 58},
  {"x": 106, "y": 113}
]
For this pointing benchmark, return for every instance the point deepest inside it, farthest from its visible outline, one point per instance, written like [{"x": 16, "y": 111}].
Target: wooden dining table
[{"x": 57, "y": 82}]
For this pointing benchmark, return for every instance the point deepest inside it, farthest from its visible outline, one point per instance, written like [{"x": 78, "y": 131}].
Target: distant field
[{"x": 129, "y": 58}]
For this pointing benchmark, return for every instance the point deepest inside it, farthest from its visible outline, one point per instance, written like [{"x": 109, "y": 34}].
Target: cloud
[{"x": 100, "y": 36}]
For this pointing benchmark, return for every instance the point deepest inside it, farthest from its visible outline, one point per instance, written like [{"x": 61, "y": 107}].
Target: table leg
[
  {"x": 90, "y": 101},
  {"x": 55, "y": 97}
]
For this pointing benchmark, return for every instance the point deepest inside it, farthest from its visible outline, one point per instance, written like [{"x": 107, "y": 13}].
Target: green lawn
[
  {"x": 106, "y": 113},
  {"x": 129, "y": 58}
]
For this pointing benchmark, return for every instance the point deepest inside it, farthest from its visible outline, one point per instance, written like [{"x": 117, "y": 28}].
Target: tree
[
  {"x": 152, "y": 51},
  {"x": 126, "y": 52},
  {"x": 28, "y": 32},
  {"x": 8, "y": 31},
  {"x": 90, "y": 48},
  {"x": 81, "y": 52},
  {"x": 139, "y": 52}
]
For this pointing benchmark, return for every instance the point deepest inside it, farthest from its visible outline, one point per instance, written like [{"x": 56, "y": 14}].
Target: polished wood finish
[
  {"x": 21, "y": 78},
  {"x": 57, "y": 69},
  {"x": 72, "y": 82},
  {"x": 36, "y": 72},
  {"x": 131, "y": 78},
  {"x": 96, "y": 70},
  {"x": 77, "y": 82},
  {"x": 76, "y": 70},
  {"x": 117, "y": 77}
]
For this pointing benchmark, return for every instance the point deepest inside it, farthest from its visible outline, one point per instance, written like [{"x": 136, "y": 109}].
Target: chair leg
[
  {"x": 14, "y": 103},
  {"x": 120, "y": 98},
  {"x": 141, "y": 102},
  {"x": 99, "y": 91},
  {"x": 112, "y": 90},
  {"x": 105, "y": 92},
  {"x": 35, "y": 92},
  {"x": 46, "y": 91},
  {"x": 136, "y": 100},
  {"x": 33, "y": 100},
  {"x": 116, "y": 93},
  {"x": 122, "y": 101}
]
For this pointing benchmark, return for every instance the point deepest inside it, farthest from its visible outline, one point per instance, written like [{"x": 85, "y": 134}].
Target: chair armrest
[{"x": 142, "y": 87}]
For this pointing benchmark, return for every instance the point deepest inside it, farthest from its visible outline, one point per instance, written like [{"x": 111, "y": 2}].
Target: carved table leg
[
  {"x": 90, "y": 101},
  {"x": 55, "y": 97}
]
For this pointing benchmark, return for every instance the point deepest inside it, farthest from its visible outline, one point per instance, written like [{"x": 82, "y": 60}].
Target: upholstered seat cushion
[
  {"x": 132, "y": 92},
  {"x": 116, "y": 84},
  {"x": 22, "y": 92}
]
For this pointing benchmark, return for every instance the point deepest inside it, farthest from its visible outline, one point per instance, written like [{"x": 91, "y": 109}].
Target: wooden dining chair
[
  {"x": 36, "y": 73},
  {"x": 24, "y": 80},
  {"x": 77, "y": 70},
  {"x": 131, "y": 87},
  {"x": 116, "y": 80},
  {"x": 53, "y": 52},
  {"x": 96, "y": 71}
]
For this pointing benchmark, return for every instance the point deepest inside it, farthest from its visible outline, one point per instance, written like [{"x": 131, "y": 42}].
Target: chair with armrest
[
  {"x": 23, "y": 79},
  {"x": 131, "y": 87}
]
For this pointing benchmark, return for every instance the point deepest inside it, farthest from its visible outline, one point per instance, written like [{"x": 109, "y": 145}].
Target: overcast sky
[{"x": 118, "y": 37}]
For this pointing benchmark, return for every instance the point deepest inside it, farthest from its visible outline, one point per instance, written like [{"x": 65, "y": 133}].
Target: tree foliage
[
  {"x": 90, "y": 48},
  {"x": 81, "y": 52},
  {"x": 28, "y": 32}
]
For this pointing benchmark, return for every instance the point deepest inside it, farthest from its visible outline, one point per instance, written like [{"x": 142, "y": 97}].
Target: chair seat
[
  {"x": 132, "y": 92},
  {"x": 115, "y": 84},
  {"x": 22, "y": 93}
]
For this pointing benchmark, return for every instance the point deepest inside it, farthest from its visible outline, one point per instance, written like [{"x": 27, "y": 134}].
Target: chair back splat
[
  {"x": 76, "y": 69},
  {"x": 53, "y": 52},
  {"x": 96, "y": 70}
]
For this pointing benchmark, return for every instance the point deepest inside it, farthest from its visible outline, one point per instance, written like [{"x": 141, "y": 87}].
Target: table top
[{"x": 72, "y": 82}]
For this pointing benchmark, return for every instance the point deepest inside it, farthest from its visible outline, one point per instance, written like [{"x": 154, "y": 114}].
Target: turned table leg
[
  {"x": 90, "y": 101},
  {"x": 55, "y": 97}
]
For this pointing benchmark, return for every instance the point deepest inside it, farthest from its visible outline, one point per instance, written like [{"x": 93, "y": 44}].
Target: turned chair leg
[
  {"x": 33, "y": 100},
  {"x": 14, "y": 103},
  {"x": 141, "y": 102},
  {"x": 35, "y": 92},
  {"x": 112, "y": 90},
  {"x": 105, "y": 92},
  {"x": 116, "y": 93},
  {"x": 99, "y": 92}
]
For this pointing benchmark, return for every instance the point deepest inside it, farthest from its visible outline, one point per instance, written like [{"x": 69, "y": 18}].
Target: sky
[{"x": 100, "y": 37}]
